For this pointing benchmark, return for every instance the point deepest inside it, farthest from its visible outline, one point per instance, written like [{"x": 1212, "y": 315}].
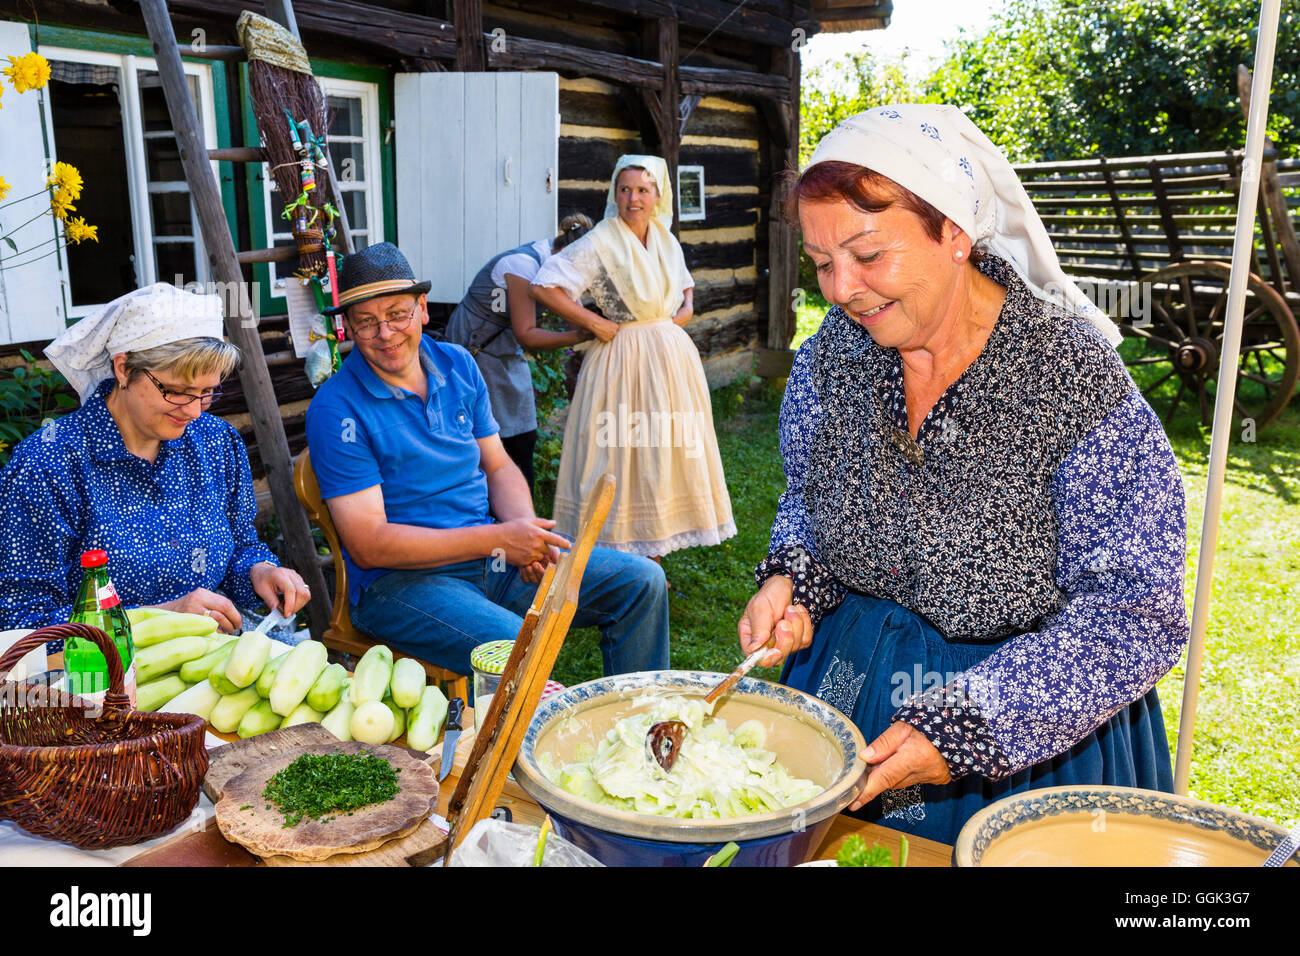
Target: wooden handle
[
  {"x": 745, "y": 667},
  {"x": 116, "y": 698}
]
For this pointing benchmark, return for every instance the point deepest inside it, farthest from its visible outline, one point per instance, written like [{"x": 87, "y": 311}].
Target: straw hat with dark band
[{"x": 377, "y": 270}]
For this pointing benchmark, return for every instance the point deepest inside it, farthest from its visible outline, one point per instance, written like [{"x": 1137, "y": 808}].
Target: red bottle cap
[{"x": 94, "y": 559}]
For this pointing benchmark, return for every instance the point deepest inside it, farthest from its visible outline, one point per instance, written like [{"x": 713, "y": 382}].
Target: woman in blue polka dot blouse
[{"x": 141, "y": 472}]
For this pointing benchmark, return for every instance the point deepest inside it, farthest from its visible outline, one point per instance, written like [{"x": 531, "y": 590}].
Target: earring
[{"x": 959, "y": 253}]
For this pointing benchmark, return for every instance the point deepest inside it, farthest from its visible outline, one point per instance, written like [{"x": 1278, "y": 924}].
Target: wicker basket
[{"x": 93, "y": 776}]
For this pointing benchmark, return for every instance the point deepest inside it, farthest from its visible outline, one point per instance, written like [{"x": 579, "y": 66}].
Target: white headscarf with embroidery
[
  {"x": 647, "y": 277},
  {"x": 938, "y": 153},
  {"x": 144, "y": 319}
]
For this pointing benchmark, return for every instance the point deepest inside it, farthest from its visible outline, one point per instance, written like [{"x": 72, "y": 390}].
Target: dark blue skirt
[{"x": 869, "y": 655}]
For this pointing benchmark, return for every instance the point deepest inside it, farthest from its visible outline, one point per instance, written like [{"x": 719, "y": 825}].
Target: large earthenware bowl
[
  {"x": 812, "y": 739},
  {"x": 1113, "y": 826}
]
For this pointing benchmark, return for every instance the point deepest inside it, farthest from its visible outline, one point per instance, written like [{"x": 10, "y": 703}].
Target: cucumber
[
  {"x": 152, "y": 695},
  {"x": 137, "y": 614},
  {"x": 198, "y": 669},
  {"x": 399, "y": 719},
  {"x": 230, "y": 710},
  {"x": 324, "y": 694},
  {"x": 198, "y": 700},
  {"x": 427, "y": 718},
  {"x": 339, "y": 720},
  {"x": 159, "y": 659},
  {"x": 266, "y": 679},
  {"x": 372, "y": 722},
  {"x": 248, "y": 658},
  {"x": 304, "y": 713},
  {"x": 222, "y": 684},
  {"x": 258, "y": 719},
  {"x": 297, "y": 675},
  {"x": 168, "y": 625},
  {"x": 374, "y": 671},
  {"x": 407, "y": 682}
]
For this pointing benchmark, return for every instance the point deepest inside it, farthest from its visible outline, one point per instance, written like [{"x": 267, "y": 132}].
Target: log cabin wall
[{"x": 732, "y": 64}]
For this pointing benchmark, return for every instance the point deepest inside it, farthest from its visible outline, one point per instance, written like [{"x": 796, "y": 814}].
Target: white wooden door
[
  {"x": 31, "y": 276},
  {"x": 477, "y": 163}
]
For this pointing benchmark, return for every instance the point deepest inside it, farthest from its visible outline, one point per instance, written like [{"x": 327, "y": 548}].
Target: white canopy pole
[{"x": 1226, "y": 391}]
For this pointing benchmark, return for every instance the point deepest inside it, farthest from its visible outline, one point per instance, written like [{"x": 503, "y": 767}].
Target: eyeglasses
[
  {"x": 181, "y": 399},
  {"x": 368, "y": 330}
]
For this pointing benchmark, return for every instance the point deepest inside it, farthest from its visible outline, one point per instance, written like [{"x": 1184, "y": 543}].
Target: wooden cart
[{"x": 1149, "y": 238}]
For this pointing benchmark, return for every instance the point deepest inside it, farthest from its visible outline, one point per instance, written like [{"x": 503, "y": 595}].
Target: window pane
[
  {"x": 349, "y": 161},
  {"x": 345, "y": 116},
  {"x": 171, "y": 214},
  {"x": 163, "y": 158},
  {"x": 87, "y": 117},
  {"x": 354, "y": 204},
  {"x": 175, "y": 262}
]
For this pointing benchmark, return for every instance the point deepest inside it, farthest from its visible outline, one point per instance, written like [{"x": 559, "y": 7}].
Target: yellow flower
[
  {"x": 67, "y": 179},
  {"x": 78, "y": 230},
  {"x": 61, "y": 205},
  {"x": 28, "y": 72},
  {"x": 4, "y": 188}
]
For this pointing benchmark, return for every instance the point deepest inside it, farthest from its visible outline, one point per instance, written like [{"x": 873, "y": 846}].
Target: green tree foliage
[
  {"x": 1066, "y": 79},
  {"x": 1063, "y": 79}
]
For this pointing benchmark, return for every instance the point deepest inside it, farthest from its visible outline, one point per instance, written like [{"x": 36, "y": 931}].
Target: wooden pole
[
  {"x": 241, "y": 326},
  {"x": 468, "y": 18},
  {"x": 1271, "y": 192},
  {"x": 782, "y": 247}
]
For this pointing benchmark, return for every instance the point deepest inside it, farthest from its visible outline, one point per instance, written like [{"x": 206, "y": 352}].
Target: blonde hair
[{"x": 186, "y": 358}]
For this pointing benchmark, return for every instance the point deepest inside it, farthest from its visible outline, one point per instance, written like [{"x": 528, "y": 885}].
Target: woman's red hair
[{"x": 861, "y": 188}]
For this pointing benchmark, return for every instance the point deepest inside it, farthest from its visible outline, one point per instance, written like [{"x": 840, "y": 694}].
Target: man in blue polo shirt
[{"x": 443, "y": 548}]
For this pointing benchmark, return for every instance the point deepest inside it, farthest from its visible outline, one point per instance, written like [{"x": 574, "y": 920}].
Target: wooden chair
[{"x": 341, "y": 635}]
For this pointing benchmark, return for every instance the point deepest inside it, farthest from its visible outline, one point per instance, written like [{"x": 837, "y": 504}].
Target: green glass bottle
[{"x": 98, "y": 605}]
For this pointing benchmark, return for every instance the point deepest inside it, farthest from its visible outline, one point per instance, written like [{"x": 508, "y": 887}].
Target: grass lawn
[{"x": 1246, "y": 753}]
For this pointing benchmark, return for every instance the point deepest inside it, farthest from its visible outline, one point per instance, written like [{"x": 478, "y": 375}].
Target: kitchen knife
[
  {"x": 270, "y": 621},
  {"x": 451, "y": 736}
]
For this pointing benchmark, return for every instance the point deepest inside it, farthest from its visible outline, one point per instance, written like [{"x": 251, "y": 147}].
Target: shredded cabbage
[{"x": 718, "y": 772}]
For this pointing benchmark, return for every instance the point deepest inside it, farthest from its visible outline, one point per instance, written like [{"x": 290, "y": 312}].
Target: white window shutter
[
  {"x": 476, "y": 170},
  {"x": 31, "y": 294}
]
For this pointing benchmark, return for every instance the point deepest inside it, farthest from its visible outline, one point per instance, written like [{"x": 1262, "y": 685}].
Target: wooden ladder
[{"x": 225, "y": 267}]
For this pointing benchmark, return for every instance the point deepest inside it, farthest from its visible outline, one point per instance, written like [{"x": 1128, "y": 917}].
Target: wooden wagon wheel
[{"x": 1175, "y": 357}]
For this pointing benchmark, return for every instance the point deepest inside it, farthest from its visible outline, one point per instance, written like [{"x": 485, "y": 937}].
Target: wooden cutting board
[{"x": 425, "y": 844}]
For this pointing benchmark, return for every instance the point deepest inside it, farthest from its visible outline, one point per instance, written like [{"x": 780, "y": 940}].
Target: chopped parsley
[
  {"x": 855, "y": 852},
  {"x": 318, "y": 784}
]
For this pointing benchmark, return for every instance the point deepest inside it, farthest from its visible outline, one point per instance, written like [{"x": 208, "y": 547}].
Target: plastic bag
[{"x": 497, "y": 843}]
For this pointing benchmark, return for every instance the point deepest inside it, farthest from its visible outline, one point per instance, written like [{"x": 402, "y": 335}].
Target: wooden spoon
[{"x": 664, "y": 739}]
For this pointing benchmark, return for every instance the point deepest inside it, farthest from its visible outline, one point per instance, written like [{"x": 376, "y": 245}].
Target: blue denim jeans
[{"x": 441, "y": 614}]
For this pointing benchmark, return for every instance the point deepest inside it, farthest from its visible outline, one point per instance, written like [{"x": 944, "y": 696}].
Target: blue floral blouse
[
  {"x": 184, "y": 521},
  {"x": 1074, "y": 547}
]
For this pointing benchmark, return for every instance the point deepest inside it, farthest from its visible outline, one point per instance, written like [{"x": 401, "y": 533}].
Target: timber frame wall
[{"x": 700, "y": 82}]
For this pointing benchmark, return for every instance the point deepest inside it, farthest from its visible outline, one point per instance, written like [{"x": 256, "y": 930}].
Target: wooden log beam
[
  {"x": 782, "y": 244},
  {"x": 240, "y": 323},
  {"x": 706, "y": 80},
  {"x": 521, "y": 53},
  {"x": 238, "y": 154},
  {"x": 393, "y": 32},
  {"x": 468, "y": 17}
]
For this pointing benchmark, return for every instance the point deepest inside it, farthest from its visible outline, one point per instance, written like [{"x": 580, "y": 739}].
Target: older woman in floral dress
[{"x": 979, "y": 554}]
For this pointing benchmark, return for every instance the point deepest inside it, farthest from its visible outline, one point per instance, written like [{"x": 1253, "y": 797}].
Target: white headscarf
[
  {"x": 143, "y": 319},
  {"x": 939, "y": 154},
  {"x": 658, "y": 170},
  {"x": 648, "y": 278}
]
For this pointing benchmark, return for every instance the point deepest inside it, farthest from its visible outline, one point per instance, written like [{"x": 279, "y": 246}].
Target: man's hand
[
  {"x": 901, "y": 757},
  {"x": 770, "y": 611},
  {"x": 209, "y": 604},
  {"x": 529, "y": 540},
  {"x": 271, "y": 581}
]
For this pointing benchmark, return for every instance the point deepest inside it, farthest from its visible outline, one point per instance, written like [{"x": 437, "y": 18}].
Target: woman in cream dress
[{"x": 641, "y": 408}]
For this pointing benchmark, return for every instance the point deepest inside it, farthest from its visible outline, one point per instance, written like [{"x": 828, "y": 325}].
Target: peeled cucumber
[
  {"x": 168, "y": 625},
  {"x": 339, "y": 720},
  {"x": 230, "y": 710},
  {"x": 372, "y": 722},
  {"x": 297, "y": 675},
  {"x": 399, "y": 719},
  {"x": 370, "y": 679},
  {"x": 248, "y": 658},
  {"x": 258, "y": 719},
  {"x": 325, "y": 693},
  {"x": 137, "y": 614},
  {"x": 426, "y": 719},
  {"x": 304, "y": 713},
  {"x": 407, "y": 682},
  {"x": 198, "y": 700},
  {"x": 152, "y": 695},
  {"x": 159, "y": 659},
  {"x": 198, "y": 669},
  {"x": 266, "y": 679},
  {"x": 222, "y": 684}
]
